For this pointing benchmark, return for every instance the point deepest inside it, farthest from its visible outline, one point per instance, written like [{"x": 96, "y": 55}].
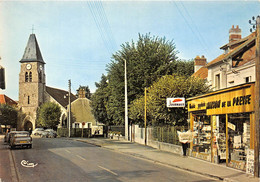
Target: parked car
[
  {"x": 7, "y": 136},
  {"x": 20, "y": 138},
  {"x": 49, "y": 133},
  {"x": 38, "y": 131}
]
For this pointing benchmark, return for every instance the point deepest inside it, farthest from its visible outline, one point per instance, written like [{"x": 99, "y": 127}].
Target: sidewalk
[{"x": 173, "y": 160}]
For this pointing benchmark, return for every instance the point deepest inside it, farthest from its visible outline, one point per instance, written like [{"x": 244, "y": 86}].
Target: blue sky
[{"x": 78, "y": 38}]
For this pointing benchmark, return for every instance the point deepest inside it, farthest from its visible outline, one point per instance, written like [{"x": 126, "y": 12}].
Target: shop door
[{"x": 238, "y": 139}]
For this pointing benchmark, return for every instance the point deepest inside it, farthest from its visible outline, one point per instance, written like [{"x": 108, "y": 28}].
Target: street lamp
[{"x": 126, "y": 106}]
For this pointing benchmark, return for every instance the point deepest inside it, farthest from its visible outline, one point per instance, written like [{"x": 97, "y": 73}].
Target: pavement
[{"x": 190, "y": 164}]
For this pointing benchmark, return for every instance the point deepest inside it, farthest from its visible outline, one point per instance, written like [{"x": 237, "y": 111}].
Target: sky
[{"x": 78, "y": 38}]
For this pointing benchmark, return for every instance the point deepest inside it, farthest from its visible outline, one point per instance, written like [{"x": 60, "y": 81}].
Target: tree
[
  {"x": 8, "y": 115},
  {"x": 99, "y": 101},
  {"x": 169, "y": 86},
  {"x": 48, "y": 115},
  {"x": 147, "y": 60},
  {"x": 87, "y": 91}
]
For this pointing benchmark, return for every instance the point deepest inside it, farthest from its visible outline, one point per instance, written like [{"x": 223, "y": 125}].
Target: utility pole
[
  {"x": 145, "y": 116},
  {"x": 69, "y": 107},
  {"x": 126, "y": 106},
  {"x": 256, "y": 24}
]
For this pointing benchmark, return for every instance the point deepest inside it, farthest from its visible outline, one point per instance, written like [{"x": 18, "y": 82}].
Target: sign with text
[
  {"x": 175, "y": 102},
  {"x": 231, "y": 100},
  {"x": 185, "y": 137},
  {"x": 250, "y": 161}
]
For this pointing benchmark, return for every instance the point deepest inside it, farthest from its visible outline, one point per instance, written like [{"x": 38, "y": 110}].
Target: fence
[
  {"x": 74, "y": 132},
  {"x": 167, "y": 134}
]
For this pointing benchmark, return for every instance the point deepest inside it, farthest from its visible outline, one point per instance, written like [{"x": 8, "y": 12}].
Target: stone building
[{"x": 32, "y": 87}]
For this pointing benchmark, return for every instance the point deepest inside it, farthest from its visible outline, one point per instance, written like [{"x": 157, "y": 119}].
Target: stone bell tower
[{"x": 31, "y": 82}]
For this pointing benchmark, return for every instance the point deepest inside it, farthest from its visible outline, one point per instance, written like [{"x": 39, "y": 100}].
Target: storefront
[{"x": 223, "y": 126}]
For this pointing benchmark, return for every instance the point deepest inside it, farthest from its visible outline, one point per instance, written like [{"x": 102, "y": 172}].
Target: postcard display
[
  {"x": 238, "y": 140},
  {"x": 202, "y": 138}
]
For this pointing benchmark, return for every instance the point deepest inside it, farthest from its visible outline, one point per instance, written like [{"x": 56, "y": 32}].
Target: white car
[
  {"x": 49, "y": 133},
  {"x": 38, "y": 131}
]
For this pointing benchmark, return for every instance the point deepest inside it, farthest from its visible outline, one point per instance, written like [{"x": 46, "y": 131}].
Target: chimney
[
  {"x": 82, "y": 93},
  {"x": 234, "y": 33},
  {"x": 199, "y": 62}
]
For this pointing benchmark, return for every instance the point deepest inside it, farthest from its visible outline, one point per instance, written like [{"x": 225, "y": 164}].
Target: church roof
[
  {"x": 32, "y": 51},
  {"x": 61, "y": 96},
  {"x": 7, "y": 100}
]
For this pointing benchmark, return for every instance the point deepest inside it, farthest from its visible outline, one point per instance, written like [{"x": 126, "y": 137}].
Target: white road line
[
  {"x": 81, "y": 157},
  {"x": 68, "y": 151},
  {"x": 108, "y": 170}
]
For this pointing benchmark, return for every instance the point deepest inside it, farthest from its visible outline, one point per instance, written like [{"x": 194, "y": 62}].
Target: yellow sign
[{"x": 232, "y": 100}]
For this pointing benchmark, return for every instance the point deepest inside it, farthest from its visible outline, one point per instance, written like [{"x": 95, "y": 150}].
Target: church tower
[{"x": 31, "y": 82}]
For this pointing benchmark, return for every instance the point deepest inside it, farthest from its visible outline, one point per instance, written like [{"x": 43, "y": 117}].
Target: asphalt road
[{"x": 68, "y": 160}]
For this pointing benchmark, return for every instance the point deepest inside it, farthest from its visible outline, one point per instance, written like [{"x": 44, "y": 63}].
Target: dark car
[{"x": 21, "y": 139}]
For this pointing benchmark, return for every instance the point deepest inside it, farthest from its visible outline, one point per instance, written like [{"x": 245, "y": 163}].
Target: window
[
  {"x": 217, "y": 81},
  {"x": 26, "y": 76},
  {"x": 30, "y": 77},
  {"x": 248, "y": 79},
  {"x": 28, "y": 99},
  {"x": 40, "y": 77}
]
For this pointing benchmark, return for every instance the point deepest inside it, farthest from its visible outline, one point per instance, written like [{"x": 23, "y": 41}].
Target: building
[
  {"x": 33, "y": 90},
  {"x": 81, "y": 112},
  {"x": 4, "y": 99},
  {"x": 223, "y": 120}
]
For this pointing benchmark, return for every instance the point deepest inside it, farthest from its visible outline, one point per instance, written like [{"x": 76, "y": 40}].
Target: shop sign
[
  {"x": 175, "y": 102},
  {"x": 231, "y": 126},
  {"x": 233, "y": 101}
]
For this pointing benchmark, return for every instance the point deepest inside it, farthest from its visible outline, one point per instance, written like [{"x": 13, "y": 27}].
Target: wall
[{"x": 138, "y": 135}]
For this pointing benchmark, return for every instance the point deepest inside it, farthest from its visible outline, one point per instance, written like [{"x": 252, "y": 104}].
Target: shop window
[
  {"x": 238, "y": 139},
  {"x": 202, "y": 135}
]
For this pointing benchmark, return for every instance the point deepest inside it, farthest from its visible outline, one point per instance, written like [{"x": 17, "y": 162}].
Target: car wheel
[
  {"x": 30, "y": 146},
  {"x": 12, "y": 147}
]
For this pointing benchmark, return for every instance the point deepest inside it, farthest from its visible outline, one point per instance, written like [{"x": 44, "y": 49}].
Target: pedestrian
[
  {"x": 184, "y": 139},
  {"x": 184, "y": 148}
]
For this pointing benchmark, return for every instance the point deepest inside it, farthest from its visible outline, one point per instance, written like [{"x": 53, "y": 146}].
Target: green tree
[
  {"x": 169, "y": 86},
  {"x": 147, "y": 60},
  {"x": 99, "y": 101},
  {"x": 48, "y": 115},
  {"x": 8, "y": 115}
]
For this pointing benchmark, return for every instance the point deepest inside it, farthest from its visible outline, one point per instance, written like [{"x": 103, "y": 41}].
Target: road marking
[
  {"x": 68, "y": 151},
  {"x": 25, "y": 163},
  {"x": 81, "y": 157},
  {"x": 108, "y": 170}
]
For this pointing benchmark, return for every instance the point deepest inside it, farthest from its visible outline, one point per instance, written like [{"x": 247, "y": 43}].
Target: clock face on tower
[{"x": 28, "y": 66}]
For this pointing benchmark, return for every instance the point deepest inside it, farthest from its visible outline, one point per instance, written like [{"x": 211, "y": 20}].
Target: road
[{"x": 65, "y": 160}]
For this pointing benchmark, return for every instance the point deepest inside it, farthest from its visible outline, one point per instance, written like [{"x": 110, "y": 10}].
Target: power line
[{"x": 186, "y": 21}]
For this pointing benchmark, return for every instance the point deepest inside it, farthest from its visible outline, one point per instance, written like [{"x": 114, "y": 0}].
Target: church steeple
[{"x": 32, "y": 51}]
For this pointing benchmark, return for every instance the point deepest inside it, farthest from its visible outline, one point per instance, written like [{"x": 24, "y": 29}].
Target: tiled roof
[
  {"x": 201, "y": 73},
  {"x": 61, "y": 96},
  {"x": 250, "y": 41},
  {"x": 7, "y": 100},
  {"x": 32, "y": 51}
]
